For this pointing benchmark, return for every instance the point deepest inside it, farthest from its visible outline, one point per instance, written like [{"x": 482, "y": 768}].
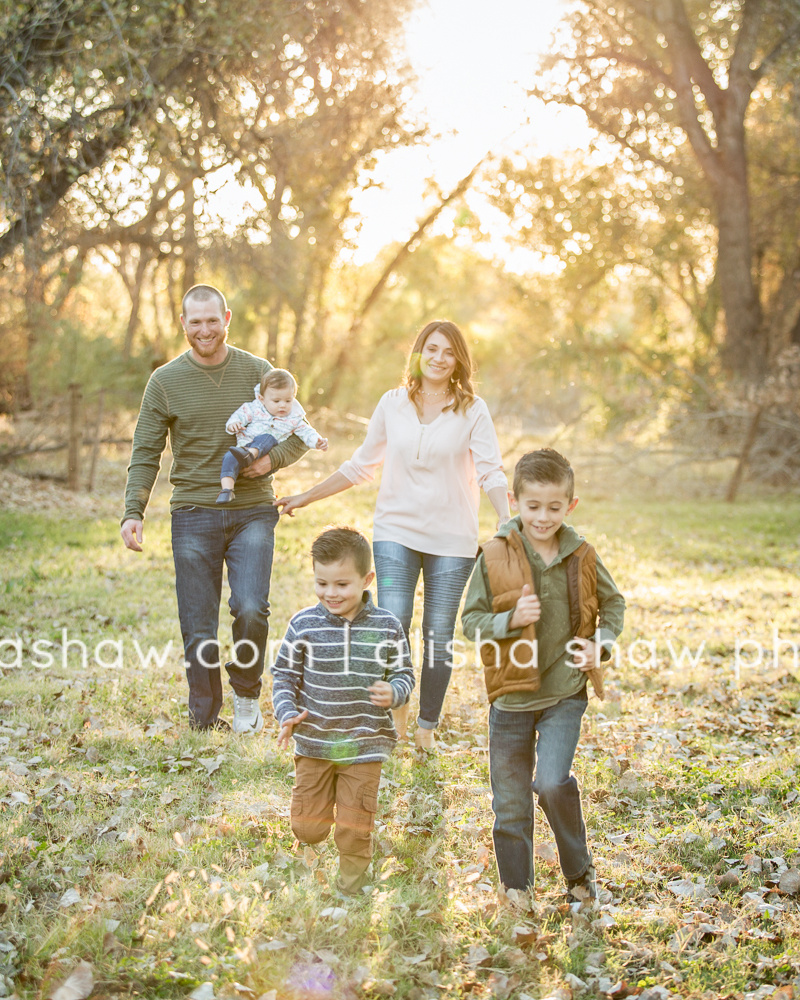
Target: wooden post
[
  {"x": 747, "y": 447},
  {"x": 74, "y": 443},
  {"x": 98, "y": 430}
]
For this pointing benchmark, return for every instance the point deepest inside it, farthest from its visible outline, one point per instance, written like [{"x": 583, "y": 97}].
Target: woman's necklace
[{"x": 443, "y": 392}]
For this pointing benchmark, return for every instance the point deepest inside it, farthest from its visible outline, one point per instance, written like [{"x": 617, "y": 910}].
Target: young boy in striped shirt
[{"x": 342, "y": 666}]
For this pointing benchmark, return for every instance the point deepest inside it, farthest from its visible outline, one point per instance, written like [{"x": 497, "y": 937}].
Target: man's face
[{"x": 206, "y": 329}]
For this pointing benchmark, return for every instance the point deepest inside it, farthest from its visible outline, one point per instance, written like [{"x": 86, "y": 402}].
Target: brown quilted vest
[{"x": 510, "y": 664}]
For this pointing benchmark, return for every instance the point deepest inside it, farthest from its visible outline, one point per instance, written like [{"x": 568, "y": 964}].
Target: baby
[{"x": 273, "y": 416}]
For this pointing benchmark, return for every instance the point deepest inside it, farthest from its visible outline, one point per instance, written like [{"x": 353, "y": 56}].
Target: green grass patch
[{"x": 164, "y": 857}]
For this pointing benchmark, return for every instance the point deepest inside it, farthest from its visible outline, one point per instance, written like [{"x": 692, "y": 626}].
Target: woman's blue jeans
[
  {"x": 203, "y": 540},
  {"x": 397, "y": 570},
  {"x": 521, "y": 743}
]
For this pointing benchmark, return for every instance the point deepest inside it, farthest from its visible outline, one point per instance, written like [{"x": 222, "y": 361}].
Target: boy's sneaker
[
  {"x": 247, "y": 717},
  {"x": 583, "y": 889}
]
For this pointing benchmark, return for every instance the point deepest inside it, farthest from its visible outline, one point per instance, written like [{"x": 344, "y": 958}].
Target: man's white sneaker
[{"x": 247, "y": 717}]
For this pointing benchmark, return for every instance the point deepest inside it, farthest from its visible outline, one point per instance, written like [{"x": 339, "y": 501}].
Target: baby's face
[{"x": 278, "y": 402}]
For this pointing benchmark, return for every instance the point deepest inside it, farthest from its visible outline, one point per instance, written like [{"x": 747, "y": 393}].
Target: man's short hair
[
  {"x": 544, "y": 466},
  {"x": 278, "y": 378},
  {"x": 336, "y": 544},
  {"x": 204, "y": 292}
]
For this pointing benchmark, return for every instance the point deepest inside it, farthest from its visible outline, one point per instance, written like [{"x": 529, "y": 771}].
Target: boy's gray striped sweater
[{"x": 325, "y": 665}]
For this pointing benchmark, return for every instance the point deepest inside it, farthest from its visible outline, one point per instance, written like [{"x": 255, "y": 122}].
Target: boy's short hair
[
  {"x": 278, "y": 378},
  {"x": 545, "y": 465},
  {"x": 336, "y": 544}
]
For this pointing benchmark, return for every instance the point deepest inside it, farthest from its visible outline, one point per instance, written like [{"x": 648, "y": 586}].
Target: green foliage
[{"x": 676, "y": 91}]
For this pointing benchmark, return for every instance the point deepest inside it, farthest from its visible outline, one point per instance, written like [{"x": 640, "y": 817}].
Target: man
[{"x": 190, "y": 399}]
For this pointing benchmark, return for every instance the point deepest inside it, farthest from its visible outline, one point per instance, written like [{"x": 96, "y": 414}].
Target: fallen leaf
[
  {"x": 111, "y": 943},
  {"x": 78, "y": 984},
  {"x": 687, "y": 888},
  {"x": 498, "y": 985},
  {"x": 524, "y": 935},
  {"x": 790, "y": 882},
  {"x": 158, "y": 726},
  {"x": 546, "y": 852},
  {"x": 728, "y": 880},
  {"x": 70, "y": 897},
  {"x": 205, "y": 991},
  {"x": 478, "y": 955}
]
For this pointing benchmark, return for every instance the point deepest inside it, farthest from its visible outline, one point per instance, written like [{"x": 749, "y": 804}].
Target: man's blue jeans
[
  {"x": 203, "y": 539},
  {"x": 519, "y": 744},
  {"x": 443, "y": 577}
]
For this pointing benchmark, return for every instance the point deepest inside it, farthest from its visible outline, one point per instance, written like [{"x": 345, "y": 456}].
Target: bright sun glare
[{"x": 473, "y": 62}]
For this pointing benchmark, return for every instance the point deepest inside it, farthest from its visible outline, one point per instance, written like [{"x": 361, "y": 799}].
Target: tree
[
  {"x": 672, "y": 83},
  {"x": 83, "y": 80},
  {"x": 294, "y": 118}
]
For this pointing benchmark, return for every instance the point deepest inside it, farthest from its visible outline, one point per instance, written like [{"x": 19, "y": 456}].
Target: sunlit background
[{"x": 473, "y": 62}]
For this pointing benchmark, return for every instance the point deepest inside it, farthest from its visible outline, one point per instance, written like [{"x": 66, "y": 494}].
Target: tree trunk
[
  {"x": 273, "y": 326},
  {"x": 135, "y": 291},
  {"x": 744, "y": 349}
]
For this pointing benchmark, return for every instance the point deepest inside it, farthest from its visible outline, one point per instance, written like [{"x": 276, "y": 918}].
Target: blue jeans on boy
[
  {"x": 397, "y": 569},
  {"x": 203, "y": 540},
  {"x": 232, "y": 466},
  {"x": 544, "y": 742}
]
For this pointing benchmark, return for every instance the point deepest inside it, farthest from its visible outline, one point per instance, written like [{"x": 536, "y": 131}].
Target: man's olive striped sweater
[{"x": 190, "y": 403}]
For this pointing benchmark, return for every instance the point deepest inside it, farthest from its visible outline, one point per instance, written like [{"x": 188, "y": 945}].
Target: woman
[{"x": 437, "y": 444}]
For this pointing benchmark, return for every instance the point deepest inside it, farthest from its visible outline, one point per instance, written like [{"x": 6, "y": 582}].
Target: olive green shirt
[
  {"x": 553, "y": 630},
  {"x": 190, "y": 403}
]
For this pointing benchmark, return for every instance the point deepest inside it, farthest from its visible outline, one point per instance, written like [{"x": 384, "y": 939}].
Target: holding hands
[
  {"x": 288, "y": 505},
  {"x": 528, "y": 609}
]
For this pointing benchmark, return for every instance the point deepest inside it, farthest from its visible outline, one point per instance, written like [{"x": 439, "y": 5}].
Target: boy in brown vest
[{"x": 543, "y": 610}]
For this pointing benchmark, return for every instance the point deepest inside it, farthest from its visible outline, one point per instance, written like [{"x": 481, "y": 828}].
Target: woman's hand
[{"x": 288, "y": 505}]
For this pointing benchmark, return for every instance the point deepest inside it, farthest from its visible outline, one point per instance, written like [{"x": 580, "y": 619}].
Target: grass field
[{"x": 142, "y": 859}]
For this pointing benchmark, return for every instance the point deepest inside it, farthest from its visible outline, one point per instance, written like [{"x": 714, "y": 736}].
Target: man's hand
[
  {"x": 260, "y": 467},
  {"x": 528, "y": 609},
  {"x": 381, "y": 694},
  {"x": 131, "y": 532},
  {"x": 585, "y": 654},
  {"x": 287, "y": 728},
  {"x": 288, "y": 505}
]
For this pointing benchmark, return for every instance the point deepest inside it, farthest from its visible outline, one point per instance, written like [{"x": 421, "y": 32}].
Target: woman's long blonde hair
[{"x": 461, "y": 387}]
